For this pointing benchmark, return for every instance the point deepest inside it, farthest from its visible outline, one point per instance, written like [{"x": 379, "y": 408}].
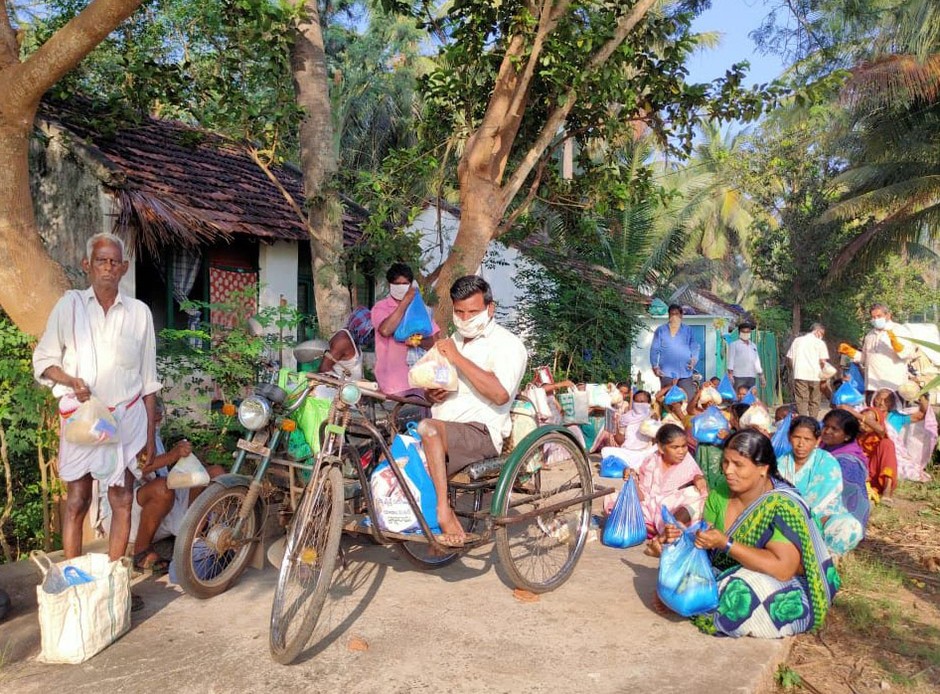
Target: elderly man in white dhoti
[{"x": 101, "y": 342}]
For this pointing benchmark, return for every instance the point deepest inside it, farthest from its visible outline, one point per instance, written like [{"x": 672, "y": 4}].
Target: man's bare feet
[{"x": 452, "y": 532}]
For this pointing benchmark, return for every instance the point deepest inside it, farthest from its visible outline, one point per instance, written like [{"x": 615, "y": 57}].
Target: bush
[{"x": 28, "y": 445}]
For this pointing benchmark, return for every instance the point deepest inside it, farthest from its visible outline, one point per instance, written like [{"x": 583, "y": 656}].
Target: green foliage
[
  {"x": 787, "y": 678},
  {"x": 29, "y": 421},
  {"x": 222, "y": 65},
  {"x": 219, "y": 360}
]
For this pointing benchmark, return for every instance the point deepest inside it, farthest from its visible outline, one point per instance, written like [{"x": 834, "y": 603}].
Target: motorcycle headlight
[
  {"x": 254, "y": 412},
  {"x": 350, "y": 394}
]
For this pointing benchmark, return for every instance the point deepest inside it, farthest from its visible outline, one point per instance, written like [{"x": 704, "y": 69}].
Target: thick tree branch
[
  {"x": 9, "y": 50},
  {"x": 529, "y": 197},
  {"x": 557, "y": 117},
  {"x": 64, "y": 50}
]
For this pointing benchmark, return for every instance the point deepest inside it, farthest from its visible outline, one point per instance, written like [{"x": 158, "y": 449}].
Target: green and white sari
[{"x": 756, "y": 604}]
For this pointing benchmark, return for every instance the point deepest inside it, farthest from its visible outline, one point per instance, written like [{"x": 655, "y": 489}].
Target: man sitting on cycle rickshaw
[{"x": 470, "y": 424}]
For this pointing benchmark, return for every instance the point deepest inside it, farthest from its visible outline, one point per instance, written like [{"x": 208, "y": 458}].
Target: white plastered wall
[{"x": 277, "y": 275}]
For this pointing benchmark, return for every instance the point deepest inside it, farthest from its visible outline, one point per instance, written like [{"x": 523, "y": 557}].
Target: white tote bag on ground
[{"x": 82, "y": 620}]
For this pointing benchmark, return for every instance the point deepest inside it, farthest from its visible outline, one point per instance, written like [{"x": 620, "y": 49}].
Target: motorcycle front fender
[{"x": 229, "y": 480}]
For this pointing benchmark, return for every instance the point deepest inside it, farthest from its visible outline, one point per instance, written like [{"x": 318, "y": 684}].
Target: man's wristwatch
[{"x": 729, "y": 545}]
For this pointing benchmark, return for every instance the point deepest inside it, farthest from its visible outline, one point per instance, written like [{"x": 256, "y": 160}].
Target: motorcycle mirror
[{"x": 310, "y": 351}]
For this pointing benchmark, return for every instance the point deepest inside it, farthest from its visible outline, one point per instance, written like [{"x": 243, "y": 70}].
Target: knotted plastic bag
[
  {"x": 416, "y": 323},
  {"x": 612, "y": 466},
  {"x": 673, "y": 395},
  {"x": 781, "y": 437},
  {"x": 856, "y": 378},
  {"x": 433, "y": 370},
  {"x": 709, "y": 396},
  {"x": 710, "y": 426},
  {"x": 91, "y": 424},
  {"x": 187, "y": 473},
  {"x": 847, "y": 394},
  {"x": 625, "y": 526},
  {"x": 726, "y": 388},
  {"x": 686, "y": 582}
]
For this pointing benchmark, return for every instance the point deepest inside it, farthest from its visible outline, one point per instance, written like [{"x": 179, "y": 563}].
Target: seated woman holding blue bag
[
  {"x": 817, "y": 476},
  {"x": 775, "y": 574}
]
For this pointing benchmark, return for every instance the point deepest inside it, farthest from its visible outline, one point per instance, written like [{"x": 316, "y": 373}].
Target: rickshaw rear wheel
[
  {"x": 207, "y": 562},
  {"x": 307, "y": 567},
  {"x": 539, "y": 552}
]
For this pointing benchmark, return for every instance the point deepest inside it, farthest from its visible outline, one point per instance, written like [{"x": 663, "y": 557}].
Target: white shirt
[
  {"x": 500, "y": 352},
  {"x": 123, "y": 347},
  {"x": 885, "y": 368},
  {"x": 743, "y": 359},
  {"x": 805, "y": 353}
]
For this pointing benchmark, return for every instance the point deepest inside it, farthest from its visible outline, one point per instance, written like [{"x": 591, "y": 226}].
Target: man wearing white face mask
[
  {"x": 391, "y": 366},
  {"x": 883, "y": 355},
  {"x": 744, "y": 361},
  {"x": 469, "y": 425}
]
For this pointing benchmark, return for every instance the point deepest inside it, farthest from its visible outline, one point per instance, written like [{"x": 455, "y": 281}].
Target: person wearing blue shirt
[{"x": 674, "y": 353}]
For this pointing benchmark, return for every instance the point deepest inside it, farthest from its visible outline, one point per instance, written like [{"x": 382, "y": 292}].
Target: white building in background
[{"x": 437, "y": 227}]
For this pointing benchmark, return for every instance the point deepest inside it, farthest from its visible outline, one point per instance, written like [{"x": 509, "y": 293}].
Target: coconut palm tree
[{"x": 892, "y": 187}]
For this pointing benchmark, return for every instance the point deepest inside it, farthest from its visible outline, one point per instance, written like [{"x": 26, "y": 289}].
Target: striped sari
[{"x": 756, "y": 604}]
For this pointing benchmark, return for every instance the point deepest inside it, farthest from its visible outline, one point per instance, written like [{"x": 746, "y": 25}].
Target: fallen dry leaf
[
  {"x": 524, "y": 595},
  {"x": 357, "y": 643}
]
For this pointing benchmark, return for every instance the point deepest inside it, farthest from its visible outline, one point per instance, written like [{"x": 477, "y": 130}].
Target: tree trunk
[
  {"x": 318, "y": 157},
  {"x": 797, "y": 318},
  {"x": 30, "y": 280},
  {"x": 480, "y": 213}
]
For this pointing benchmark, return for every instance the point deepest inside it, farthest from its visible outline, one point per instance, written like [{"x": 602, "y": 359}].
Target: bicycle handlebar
[{"x": 368, "y": 388}]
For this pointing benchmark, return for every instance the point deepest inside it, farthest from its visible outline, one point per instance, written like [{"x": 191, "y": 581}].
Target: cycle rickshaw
[{"x": 534, "y": 501}]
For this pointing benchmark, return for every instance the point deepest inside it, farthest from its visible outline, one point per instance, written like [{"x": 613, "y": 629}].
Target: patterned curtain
[{"x": 223, "y": 283}]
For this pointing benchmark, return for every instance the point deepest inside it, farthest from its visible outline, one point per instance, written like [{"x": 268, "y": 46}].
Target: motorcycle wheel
[
  {"x": 307, "y": 567},
  {"x": 206, "y": 564}
]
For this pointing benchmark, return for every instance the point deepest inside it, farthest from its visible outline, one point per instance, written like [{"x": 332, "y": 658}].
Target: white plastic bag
[
  {"x": 433, "y": 370},
  {"x": 91, "y": 424},
  {"x": 392, "y": 509},
  {"x": 82, "y": 620},
  {"x": 598, "y": 395},
  {"x": 574, "y": 407},
  {"x": 187, "y": 473}
]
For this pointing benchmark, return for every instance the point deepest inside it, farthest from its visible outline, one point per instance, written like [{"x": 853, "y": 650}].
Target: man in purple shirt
[
  {"x": 391, "y": 366},
  {"x": 674, "y": 352}
]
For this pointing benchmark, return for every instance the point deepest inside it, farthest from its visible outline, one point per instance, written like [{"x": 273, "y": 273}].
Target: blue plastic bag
[
  {"x": 416, "y": 320},
  {"x": 612, "y": 466},
  {"x": 674, "y": 394},
  {"x": 708, "y": 426},
  {"x": 625, "y": 526},
  {"x": 749, "y": 399},
  {"x": 847, "y": 394},
  {"x": 726, "y": 388},
  {"x": 855, "y": 377},
  {"x": 781, "y": 437},
  {"x": 417, "y": 473},
  {"x": 686, "y": 582}
]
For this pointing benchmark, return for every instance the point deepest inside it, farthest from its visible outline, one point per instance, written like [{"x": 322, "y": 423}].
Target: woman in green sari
[{"x": 775, "y": 574}]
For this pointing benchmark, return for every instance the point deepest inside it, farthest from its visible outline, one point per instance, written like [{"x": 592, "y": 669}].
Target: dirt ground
[
  {"x": 884, "y": 630},
  {"x": 457, "y": 630}
]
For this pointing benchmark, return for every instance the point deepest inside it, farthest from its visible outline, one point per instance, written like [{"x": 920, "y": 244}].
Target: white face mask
[
  {"x": 879, "y": 323},
  {"x": 398, "y": 291},
  {"x": 643, "y": 408},
  {"x": 472, "y": 327},
  {"x": 745, "y": 336}
]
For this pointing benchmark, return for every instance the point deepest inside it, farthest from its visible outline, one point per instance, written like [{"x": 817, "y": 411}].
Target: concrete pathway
[{"x": 456, "y": 630}]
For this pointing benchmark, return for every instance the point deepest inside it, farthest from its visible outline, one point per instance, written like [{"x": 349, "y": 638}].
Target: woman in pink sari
[{"x": 670, "y": 477}]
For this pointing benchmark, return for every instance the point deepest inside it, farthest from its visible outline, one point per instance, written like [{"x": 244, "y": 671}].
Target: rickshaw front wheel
[{"x": 541, "y": 525}]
